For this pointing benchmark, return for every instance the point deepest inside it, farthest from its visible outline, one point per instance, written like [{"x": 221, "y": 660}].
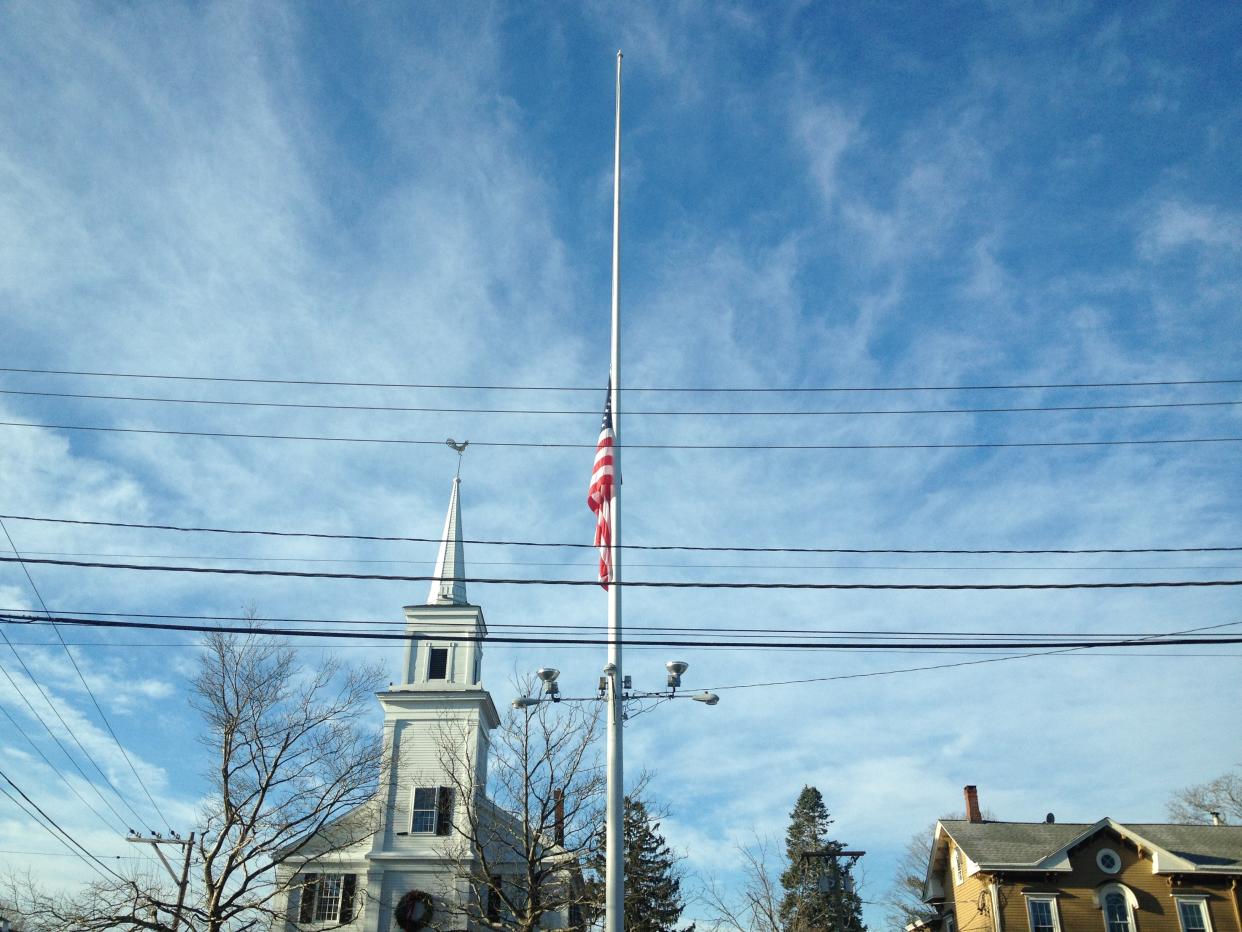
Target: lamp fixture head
[{"x": 706, "y": 698}]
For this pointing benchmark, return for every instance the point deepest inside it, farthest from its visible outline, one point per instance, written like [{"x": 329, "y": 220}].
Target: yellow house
[{"x": 989, "y": 876}]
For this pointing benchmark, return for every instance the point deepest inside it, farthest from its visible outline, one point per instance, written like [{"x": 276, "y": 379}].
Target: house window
[
  {"x": 957, "y": 865},
  {"x": 432, "y": 812},
  {"x": 1192, "y": 911},
  {"x": 1108, "y": 861},
  {"x": 1116, "y": 912},
  {"x": 327, "y": 898},
  {"x": 437, "y": 663},
  {"x": 1042, "y": 911}
]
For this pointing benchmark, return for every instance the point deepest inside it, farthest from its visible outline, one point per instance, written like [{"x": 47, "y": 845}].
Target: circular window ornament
[{"x": 1108, "y": 860}]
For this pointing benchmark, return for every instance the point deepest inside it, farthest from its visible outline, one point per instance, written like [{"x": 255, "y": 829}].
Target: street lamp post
[{"x": 618, "y": 695}]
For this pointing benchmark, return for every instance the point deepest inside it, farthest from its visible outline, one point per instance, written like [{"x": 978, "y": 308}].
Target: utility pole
[
  {"x": 187, "y": 845},
  {"x": 838, "y": 882}
]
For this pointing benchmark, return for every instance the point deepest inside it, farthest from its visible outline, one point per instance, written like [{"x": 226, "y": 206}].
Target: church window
[
  {"x": 493, "y": 899},
  {"x": 437, "y": 663},
  {"x": 327, "y": 898},
  {"x": 433, "y": 810}
]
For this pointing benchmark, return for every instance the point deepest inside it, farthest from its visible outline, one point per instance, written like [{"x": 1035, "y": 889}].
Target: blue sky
[{"x": 813, "y": 195}]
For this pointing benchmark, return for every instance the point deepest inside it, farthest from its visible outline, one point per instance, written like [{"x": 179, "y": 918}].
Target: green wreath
[{"x": 414, "y": 911}]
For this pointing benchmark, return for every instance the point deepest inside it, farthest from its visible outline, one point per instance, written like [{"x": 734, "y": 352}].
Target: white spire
[{"x": 449, "y": 587}]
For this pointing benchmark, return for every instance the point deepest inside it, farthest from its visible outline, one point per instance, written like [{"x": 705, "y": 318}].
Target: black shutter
[
  {"x": 444, "y": 811},
  {"x": 348, "y": 884},
  {"x": 306, "y": 911}
]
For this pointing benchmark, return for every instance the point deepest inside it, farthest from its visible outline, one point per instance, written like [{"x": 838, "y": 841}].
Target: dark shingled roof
[{"x": 1212, "y": 847}]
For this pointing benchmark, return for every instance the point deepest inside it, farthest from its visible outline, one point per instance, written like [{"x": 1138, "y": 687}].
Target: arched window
[{"x": 1117, "y": 902}]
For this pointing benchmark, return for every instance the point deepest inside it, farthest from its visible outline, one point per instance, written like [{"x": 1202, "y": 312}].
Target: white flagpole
[{"x": 614, "y": 871}]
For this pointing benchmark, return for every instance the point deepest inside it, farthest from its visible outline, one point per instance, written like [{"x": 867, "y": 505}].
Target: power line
[
  {"x": 67, "y": 840},
  {"x": 72, "y": 734},
  {"x": 687, "y": 547},
  {"x": 1147, "y": 641},
  {"x": 938, "y": 666},
  {"x": 850, "y": 567},
  {"x": 326, "y": 406},
  {"x": 431, "y": 624},
  {"x": 557, "y": 445},
  {"x": 112, "y": 827},
  {"x": 640, "y": 584},
  {"x": 102, "y": 717},
  {"x": 597, "y": 389}
]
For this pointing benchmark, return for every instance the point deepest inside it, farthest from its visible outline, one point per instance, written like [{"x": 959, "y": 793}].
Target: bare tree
[
  {"x": 292, "y": 763},
  {"x": 758, "y": 907},
  {"x": 903, "y": 903},
  {"x": 1221, "y": 796},
  {"x": 521, "y": 853}
]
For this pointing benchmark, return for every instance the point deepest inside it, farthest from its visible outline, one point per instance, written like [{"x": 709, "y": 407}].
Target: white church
[{"x": 407, "y": 842}]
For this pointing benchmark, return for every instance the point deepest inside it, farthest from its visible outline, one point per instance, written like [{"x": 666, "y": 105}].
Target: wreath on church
[{"x": 414, "y": 910}]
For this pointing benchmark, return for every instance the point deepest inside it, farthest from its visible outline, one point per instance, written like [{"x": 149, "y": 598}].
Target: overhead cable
[
  {"x": 85, "y": 685},
  {"x": 637, "y": 584},
  {"x": 323, "y": 406},
  {"x": 588, "y": 546},
  {"x": 945, "y": 666},
  {"x": 566, "y": 445},
  {"x": 846, "y": 567},
  {"x": 63, "y": 837},
  {"x": 1146, "y": 641},
  {"x": 596, "y": 388},
  {"x": 432, "y": 625}
]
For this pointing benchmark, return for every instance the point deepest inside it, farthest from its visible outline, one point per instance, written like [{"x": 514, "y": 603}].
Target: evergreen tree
[
  {"x": 653, "y": 901},
  {"x": 819, "y": 891}
]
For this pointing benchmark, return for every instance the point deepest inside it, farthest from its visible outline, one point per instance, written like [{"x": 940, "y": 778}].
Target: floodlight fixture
[
  {"x": 549, "y": 675},
  {"x": 610, "y": 668},
  {"x": 675, "y": 669}
]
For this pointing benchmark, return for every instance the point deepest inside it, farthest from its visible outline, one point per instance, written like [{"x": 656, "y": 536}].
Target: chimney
[
  {"x": 972, "y": 804},
  {"x": 558, "y": 802}
]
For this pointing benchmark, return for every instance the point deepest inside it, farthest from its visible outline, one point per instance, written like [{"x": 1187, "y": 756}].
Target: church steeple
[
  {"x": 449, "y": 588},
  {"x": 445, "y": 646}
]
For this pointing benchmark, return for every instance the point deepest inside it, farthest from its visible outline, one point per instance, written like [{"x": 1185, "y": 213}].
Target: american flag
[{"x": 600, "y": 494}]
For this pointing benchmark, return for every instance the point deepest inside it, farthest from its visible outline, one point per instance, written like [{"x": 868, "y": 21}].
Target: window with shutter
[
  {"x": 306, "y": 907},
  {"x": 347, "y": 897},
  {"x": 444, "y": 811},
  {"x": 425, "y": 810}
]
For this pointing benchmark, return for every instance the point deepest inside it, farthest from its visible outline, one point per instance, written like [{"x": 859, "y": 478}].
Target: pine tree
[
  {"x": 653, "y": 901},
  {"x": 810, "y": 905}
]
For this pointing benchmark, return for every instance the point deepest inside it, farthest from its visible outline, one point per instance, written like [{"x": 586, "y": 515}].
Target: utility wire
[
  {"x": 596, "y": 388},
  {"x": 550, "y": 445},
  {"x": 687, "y": 547},
  {"x": 111, "y": 826},
  {"x": 1148, "y": 641},
  {"x": 938, "y": 666},
  {"x": 324, "y": 406},
  {"x": 641, "y": 584},
  {"x": 102, "y": 717},
  {"x": 67, "y": 840},
  {"x": 851, "y": 567},
  {"x": 72, "y": 734},
  {"x": 432, "y": 625}
]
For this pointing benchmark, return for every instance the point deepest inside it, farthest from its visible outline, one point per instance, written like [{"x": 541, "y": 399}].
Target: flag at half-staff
[{"x": 600, "y": 494}]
